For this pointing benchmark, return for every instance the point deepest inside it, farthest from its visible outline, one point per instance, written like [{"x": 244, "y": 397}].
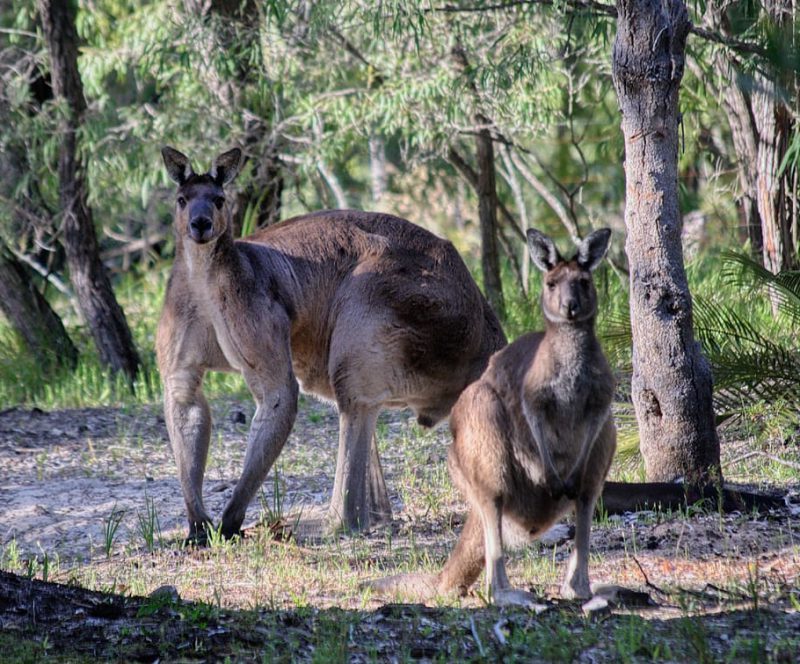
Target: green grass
[{"x": 23, "y": 382}]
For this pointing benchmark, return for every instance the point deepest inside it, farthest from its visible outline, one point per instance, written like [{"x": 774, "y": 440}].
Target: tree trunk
[
  {"x": 671, "y": 382},
  {"x": 32, "y": 317},
  {"x": 483, "y": 181},
  {"x": 231, "y": 26},
  {"x": 761, "y": 125},
  {"x": 99, "y": 307},
  {"x": 377, "y": 168},
  {"x": 487, "y": 215}
]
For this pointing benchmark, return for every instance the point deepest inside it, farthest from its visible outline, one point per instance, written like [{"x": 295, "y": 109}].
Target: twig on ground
[
  {"x": 647, "y": 581},
  {"x": 724, "y": 591},
  {"x": 784, "y": 462},
  {"x": 476, "y": 637},
  {"x": 498, "y": 631},
  {"x": 741, "y": 458}
]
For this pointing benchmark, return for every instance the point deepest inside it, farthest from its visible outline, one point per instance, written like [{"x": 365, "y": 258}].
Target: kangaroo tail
[
  {"x": 417, "y": 586},
  {"x": 460, "y": 571}
]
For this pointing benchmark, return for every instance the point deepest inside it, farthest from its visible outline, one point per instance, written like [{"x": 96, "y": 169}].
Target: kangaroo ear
[
  {"x": 178, "y": 166},
  {"x": 592, "y": 249},
  {"x": 226, "y": 167},
  {"x": 543, "y": 251}
]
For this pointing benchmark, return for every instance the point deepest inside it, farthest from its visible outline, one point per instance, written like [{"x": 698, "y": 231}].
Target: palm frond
[
  {"x": 741, "y": 270},
  {"x": 748, "y": 365}
]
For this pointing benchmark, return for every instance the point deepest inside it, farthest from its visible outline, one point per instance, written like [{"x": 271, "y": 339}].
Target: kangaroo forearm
[
  {"x": 543, "y": 443},
  {"x": 593, "y": 427}
]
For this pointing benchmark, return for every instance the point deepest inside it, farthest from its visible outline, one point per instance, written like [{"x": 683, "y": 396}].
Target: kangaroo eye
[
  {"x": 551, "y": 285},
  {"x": 219, "y": 201},
  {"x": 181, "y": 202}
]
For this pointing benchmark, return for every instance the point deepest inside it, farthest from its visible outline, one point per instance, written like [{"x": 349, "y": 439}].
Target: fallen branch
[
  {"x": 784, "y": 462},
  {"x": 620, "y": 497}
]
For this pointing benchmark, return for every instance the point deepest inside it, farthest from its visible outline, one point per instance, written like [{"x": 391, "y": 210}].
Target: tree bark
[
  {"x": 671, "y": 384},
  {"x": 99, "y": 307},
  {"x": 32, "y": 317},
  {"x": 377, "y": 168},
  {"x": 762, "y": 124},
  {"x": 484, "y": 182},
  {"x": 487, "y": 215},
  {"x": 621, "y": 497}
]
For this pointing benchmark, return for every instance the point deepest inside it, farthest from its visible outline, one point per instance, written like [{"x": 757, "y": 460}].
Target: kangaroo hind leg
[{"x": 359, "y": 491}]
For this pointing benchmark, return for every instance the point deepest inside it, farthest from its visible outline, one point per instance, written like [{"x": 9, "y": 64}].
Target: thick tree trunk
[
  {"x": 672, "y": 384},
  {"x": 31, "y": 315},
  {"x": 99, "y": 307}
]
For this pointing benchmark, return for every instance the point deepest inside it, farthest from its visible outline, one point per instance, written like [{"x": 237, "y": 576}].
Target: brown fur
[
  {"x": 363, "y": 309},
  {"x": 533, "y": 438}
]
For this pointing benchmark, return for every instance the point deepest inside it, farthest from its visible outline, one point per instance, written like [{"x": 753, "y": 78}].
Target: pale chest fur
[
  {"x": 569, "y": 386},
  {"x": 217, "y": 301}
]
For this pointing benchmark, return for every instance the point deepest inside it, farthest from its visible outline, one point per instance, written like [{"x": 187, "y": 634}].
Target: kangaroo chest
[{"x": 576, "y": 392}]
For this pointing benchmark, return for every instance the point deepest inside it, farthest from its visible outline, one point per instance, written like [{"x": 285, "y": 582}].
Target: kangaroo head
[
  {"x": 200, "y": 210},
  {"x": 569, "y": 295}
]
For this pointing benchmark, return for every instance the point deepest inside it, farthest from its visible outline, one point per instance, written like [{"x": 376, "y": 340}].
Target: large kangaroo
[
  {"x": 533, "y": 437},
  {"x": 364, "y": 309}
]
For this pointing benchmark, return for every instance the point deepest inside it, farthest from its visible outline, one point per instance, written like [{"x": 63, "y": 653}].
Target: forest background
[{"x": 475, "y": 120}]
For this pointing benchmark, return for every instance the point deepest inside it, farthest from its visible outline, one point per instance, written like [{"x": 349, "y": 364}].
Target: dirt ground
[{"x": 66, "y": 472}]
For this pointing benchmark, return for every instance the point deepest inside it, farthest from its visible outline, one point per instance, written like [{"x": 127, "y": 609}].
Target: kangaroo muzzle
[{"x": 201, "y": 229}]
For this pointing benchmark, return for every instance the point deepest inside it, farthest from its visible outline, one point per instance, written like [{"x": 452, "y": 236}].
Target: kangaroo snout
[
  {"x": 572, "y": 308},
  {"x": 200, "y": 229}
]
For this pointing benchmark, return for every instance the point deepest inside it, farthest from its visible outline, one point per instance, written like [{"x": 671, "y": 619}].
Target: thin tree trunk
[
  {"x": 519, "y": 199},
  {"x": 671, "y": 384},
  {"x": 484, "y": 182},
  {"x": 102, "y": 313},
  {"x": 231, "y": 26},
  {"x": 31, "y": 315},
  {"x": 487, "y": 214},
  {"x": 377, "y": 167},
  {"x": 484, "y": 185}
]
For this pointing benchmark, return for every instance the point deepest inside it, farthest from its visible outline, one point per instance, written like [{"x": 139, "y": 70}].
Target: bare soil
[{"x": 714, "y": 584}]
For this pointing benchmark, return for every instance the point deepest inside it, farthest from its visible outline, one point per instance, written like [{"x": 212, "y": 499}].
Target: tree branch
[
  {"x": 602, "y": 9},
  {"x": 471, "y": 177}
]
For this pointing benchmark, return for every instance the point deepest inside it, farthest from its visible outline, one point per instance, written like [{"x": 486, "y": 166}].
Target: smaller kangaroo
[{"x": 533, "y": 437}]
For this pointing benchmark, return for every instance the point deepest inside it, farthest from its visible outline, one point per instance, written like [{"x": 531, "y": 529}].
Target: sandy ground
[{"x": 65, "y": 472}]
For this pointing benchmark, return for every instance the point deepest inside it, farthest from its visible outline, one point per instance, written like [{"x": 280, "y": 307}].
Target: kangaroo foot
[
  {"x": 199, "y": 534},
  {"x": 576, "y": 589},
  {"x": 348, "y": 518},
  {"x": 338, "y": 524},
  {"x": 514, "y": 597}
]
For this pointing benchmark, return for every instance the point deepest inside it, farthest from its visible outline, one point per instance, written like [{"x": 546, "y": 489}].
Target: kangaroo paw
[{"x": 513, "y": 597}]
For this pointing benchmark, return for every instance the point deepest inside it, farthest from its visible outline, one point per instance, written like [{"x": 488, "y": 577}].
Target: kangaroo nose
[
  {"x": 201, "y": 224},
  {"x": 200, "y": 227},
  {"x": 572, "y": 308}
]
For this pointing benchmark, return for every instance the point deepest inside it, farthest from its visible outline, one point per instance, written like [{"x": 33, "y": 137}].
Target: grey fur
[
  {"x": 363, "y": 309},
  {"x": 533, "y": 438}
]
